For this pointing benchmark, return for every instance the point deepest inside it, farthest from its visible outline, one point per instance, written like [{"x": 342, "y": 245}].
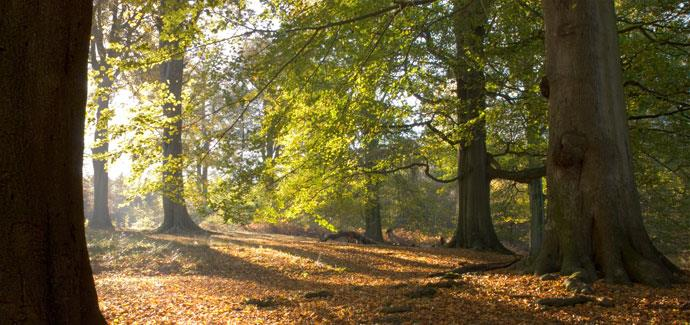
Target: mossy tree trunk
[
  {"x": 45, "y": 276},
  {"x": 594, "y": 221}
]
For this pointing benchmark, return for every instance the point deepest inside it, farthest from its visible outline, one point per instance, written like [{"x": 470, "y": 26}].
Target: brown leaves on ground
[{"x": 249, "y": 278}]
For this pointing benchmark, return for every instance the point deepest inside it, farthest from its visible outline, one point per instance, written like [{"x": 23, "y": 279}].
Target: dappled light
[
  {"x": 344, "y": 162},
  {"x": 147, "y": 277}
]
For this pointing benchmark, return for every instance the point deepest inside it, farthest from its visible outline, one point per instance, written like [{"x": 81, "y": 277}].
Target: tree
[
  {"x": 176, "y": 218},
  {"x": 46, "y": 276},
  {"x": 475, "y": 228},
  {"x": 372, "y": 195},
  {"x": 99, "y": 63},
  {"x": 594, "y": 219},
  {"x": 105, "y": 31},
  {"x": 536, "y": 207}
]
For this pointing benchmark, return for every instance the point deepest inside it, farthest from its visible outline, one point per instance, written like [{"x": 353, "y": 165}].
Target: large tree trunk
[
  {"x": 594, "y": 221},
  {"x": 176, "y": 219},
  {"x": 44, "y": 265},
  {"x": 475, "y": 228}
]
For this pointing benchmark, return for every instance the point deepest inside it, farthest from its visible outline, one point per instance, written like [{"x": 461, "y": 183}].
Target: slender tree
[
  {"x": 45, "y": 274},
  {"x": 535, "y": 188},
  {"x": 100, "y": 53},
  {"x": 594, "y": 221}
]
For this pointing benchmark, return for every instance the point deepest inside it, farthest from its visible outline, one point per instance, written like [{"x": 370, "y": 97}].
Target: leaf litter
[{"x": 250, "y": 278}]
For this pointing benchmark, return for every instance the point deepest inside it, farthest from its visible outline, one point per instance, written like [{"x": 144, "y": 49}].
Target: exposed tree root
[
  {"x": 574, "y": 300},
  {"x": 624, "y": 263},
  {"x": 475, "y": 268},
  {"x": 564, "y": 302},
  {"x": 496, "y": 247},
  {"x": 352, "y": 235}
]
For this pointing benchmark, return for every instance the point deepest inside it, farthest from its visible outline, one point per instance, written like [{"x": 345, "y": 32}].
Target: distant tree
[
  {"x": 45, "y": 274},
  {"x": 115, "y": 23},
  {"x": 99, "y": 55},
  {"x": 594, "y": 220}
]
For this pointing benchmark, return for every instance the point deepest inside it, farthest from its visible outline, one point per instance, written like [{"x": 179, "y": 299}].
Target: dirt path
[{"x": 249, "y": 278}]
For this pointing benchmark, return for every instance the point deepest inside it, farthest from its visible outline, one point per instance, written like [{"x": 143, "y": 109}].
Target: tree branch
[
  {"x": 520, "y": 176},
  {"x": 425, "y": 167}
]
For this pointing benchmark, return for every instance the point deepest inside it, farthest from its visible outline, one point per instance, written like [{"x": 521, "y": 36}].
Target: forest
[{"x": 344, "y": 161}]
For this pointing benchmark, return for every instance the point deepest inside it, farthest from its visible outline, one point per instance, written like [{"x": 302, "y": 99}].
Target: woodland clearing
[{"x": 251, "y": 278}]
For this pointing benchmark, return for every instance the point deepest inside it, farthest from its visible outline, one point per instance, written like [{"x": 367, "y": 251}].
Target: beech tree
[
  {"x": 176, "y": 218},
  {"x": 99, "y": 55},
  {"x": 45, "y": 274},
  {"x": 115, "y": 25},
  {"x": 475, "y": 228},
  {"x": 594, "y": 221}
]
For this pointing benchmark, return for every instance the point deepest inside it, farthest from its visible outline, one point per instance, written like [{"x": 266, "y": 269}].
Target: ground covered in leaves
[{"x": 250, "y": 278}]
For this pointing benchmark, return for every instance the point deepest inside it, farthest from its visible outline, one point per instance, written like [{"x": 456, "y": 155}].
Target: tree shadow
[
  {"x": 367, "y": 298},
  {"x": 320, "y": 255}
]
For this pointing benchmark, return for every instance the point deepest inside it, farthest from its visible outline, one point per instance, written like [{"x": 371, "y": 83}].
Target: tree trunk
[
  {"x": 45, "y": 274},
  {"x": 594, "y": 221},
  {"x": 101, "y": 213},
  {"x": 536, "y": 224},
  {"x": 535, "y": 189},
  {"x": 203, "y": 165},
  {"x": 474, "y": 228},
  {"x": 372, "y": 213},
  {"x": 99, "y": 63},
  {"x": 176, "y": 219}
]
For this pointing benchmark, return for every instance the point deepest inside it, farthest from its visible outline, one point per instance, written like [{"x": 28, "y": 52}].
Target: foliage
[{"x": 306, "y": 111}]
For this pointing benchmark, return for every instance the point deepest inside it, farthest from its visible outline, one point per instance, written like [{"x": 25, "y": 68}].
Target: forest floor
[{"x": 252, "y": 278}]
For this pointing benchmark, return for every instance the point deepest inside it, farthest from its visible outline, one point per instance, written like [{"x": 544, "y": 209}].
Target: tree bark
[
  {"x": 594, "y": 221},
  {"x": 474, "y": 228},
  {"x": 176, "y": 218},
  {"x": 101, "y": 214},
  {"x": 372, "y": 213},
  {"x": 535, "y": 189},
  {"x": 45, "y": 274},
  {"x": 536, "y": 223}
]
